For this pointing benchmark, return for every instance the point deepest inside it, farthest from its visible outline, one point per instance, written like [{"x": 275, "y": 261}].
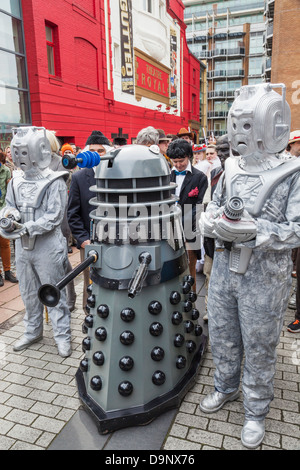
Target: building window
[
  {"x": 52, "y": 50},
  {"x": 14, "y": 89},
  {"x": 148, "y": 6}
]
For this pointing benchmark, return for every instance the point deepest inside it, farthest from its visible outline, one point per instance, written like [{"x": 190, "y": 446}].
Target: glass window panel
[
  {"x": 50, "y": 55},
  {"x": 49, "y": 34},
  {"x": 11, "y": 34},
  {"x": 12, "y": 70},
  {"x": 11, "y": 6},
  {"x": 14, "y": 106}
]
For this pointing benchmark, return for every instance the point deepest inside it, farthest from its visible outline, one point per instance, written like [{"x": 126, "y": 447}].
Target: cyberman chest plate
[{"x": 255, "y": 188}]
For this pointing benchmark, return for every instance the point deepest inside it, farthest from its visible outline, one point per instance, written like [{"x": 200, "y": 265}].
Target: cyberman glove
[
  {"x": 10, "y": 229},
  {"x": 10, "y": 212},
  {"x": 237, "y": 231},
  {"x": 207, "y": 222}
]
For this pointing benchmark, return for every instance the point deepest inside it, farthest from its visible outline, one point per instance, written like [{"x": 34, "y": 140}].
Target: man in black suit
[
  {"x": 79, "y": 206},
  {"x": 192, "y": 184}
]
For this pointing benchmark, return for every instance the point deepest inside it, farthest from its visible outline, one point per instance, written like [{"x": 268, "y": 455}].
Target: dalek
[{"x": 143, "y": 342}]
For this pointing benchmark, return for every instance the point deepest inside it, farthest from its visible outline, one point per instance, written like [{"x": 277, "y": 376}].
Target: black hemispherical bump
[
  {"x": 125, "y": 388},
  {"x": 156, "y": 329},
  {"x": 98, "y": 358},
  {"x": 101, "y": 333},
  {"x": 127, "y": 337},
  {"x": 187, "y": 306},
  {"x": 127, "y": 314},
  {"x": 157, "y": 353},
  {"x": 195, "y": 314},
  {"x": 84, "y": 365},
  {"x": 159, "y": 377},
  {"x": 87, "y": 309},
  {"x": 96, "y": 383},
  {"x": 126, "y": 363},
  {"x": 154, "y": 307},
  {"x": 180, "y": 362},
  {"x": 198, "y": 330},
  {"x": 191, "y": 346},
  {"x": 103, "y": 311},
  {"x": 178, "y": 340},
  {"x": 186, "y": 287},
  {"x": 189, "y": 279},
  {"x": 89, "y": 321},
  {"x": 176, "y": 318},
  {"x": 192, "y": 296},
  {"x": 175, "y": 297},
  {"x": 91, "y": 301},
  {"x": 86, "y": 344},
  {"x": 189, "y": 326},
  {"x": 89, "y": 288}
]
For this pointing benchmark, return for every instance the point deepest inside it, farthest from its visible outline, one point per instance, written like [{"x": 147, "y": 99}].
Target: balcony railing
[
  {"x": 231, "y": 52},
  {"x": 221, "y": 94},
  {"x": 226, "y": 73},
  {"x": 234, "y": 51},
  {"x": 217, "y": 114}
]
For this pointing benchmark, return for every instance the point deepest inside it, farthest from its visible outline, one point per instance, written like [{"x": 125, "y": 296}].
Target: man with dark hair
[
  {"x": 79, "y": 206},
  {"x": 191, "y": 187}
]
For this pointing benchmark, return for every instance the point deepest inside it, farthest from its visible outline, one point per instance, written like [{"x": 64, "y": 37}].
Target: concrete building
[
  {"x": 116, "y": 66},
  {"x": 228, "y": 35},
  {"x": 281, "y": 41}
]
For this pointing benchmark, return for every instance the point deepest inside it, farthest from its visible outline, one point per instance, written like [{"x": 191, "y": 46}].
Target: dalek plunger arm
[{"x": 49, "y": 294}]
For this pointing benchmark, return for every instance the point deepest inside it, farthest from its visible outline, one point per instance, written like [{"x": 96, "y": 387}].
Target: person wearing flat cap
[
  {"x": 79, "y": 206},
  {"x": 293, "y": 150},
  {"x": 186, "y": 135}
]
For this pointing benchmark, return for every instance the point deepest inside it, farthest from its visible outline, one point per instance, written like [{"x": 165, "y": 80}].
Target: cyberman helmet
[
  {"x": 30, "y": 148},
  {"x": 259, "y": 120}
]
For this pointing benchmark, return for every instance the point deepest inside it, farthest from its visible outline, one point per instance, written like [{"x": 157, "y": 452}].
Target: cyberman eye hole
[
  {"x": 234, "y": 126},
  {"x": 16, "y": 152},
  {"x": 247, "y": 126},
  {"x": 24, "y": 153}
]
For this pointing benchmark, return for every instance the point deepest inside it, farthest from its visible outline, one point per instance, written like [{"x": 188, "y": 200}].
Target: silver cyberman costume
[
  {"x": 255, "y": 220},
  {"x": 35, "y": 205}
]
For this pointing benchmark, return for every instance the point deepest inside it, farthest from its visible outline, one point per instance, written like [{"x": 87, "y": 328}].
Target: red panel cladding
[
  {"x": 86, "y": 64},
  {"x": 79, "y": 101}
]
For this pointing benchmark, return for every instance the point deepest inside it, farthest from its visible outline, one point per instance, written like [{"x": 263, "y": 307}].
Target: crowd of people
[
  {"x": 193, "y": 167},
  {"x": 196, "y": 170}
]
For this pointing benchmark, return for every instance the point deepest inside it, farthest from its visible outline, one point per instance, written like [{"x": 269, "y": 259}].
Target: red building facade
[{"x": 98, "y": 64}]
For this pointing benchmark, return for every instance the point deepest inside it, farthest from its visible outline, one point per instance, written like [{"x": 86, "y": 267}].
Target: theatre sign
[{"x": 152, "y": 79}]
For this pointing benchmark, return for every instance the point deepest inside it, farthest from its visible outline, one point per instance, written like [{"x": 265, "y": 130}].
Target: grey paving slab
[{"x": 81, "y": 433}]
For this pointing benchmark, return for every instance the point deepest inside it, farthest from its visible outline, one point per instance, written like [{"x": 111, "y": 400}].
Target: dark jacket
[
  {"x": 79, "y": 207},
  {"x": 188, "y": 204}
]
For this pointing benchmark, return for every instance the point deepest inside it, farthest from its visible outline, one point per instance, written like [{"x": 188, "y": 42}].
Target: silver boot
[
  {"x": 64, "y": 349},
  {"x": 24, "y": 343},
  {"x": 215, "y": 401},
  {"x": 292, "y": 301},
  {"x": 253, "y": 433}
]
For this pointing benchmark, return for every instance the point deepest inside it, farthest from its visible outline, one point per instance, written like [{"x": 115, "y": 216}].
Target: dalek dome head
[
  {"x": 133, "y": 161},
  {"x": 259, "y": 120}
]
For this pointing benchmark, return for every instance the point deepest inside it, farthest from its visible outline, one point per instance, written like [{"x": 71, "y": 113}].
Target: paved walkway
[{"x": 40, "y": 409}]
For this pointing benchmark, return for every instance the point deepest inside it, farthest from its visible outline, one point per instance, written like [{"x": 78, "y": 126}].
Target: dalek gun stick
[
  {"x": 137, "y": 281},
  {"x": 49, "y": 294}
]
